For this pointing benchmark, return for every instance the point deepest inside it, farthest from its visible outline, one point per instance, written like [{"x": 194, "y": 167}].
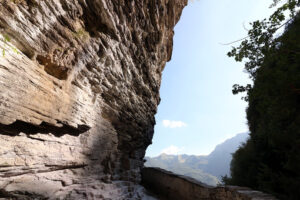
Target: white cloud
[
  {"x": 172, "y": 150},
  {"x": 173, "y": 124}
]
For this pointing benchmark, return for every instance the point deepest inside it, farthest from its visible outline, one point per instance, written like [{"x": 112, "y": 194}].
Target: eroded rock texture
[{"x": 79, "y": 87}]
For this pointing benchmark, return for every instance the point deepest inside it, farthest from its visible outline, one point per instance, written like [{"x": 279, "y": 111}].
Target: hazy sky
[{"x": 198, "y": 110}]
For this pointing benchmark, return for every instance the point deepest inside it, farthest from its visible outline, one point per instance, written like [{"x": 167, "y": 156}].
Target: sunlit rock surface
[{"x": 79, "y": 89}]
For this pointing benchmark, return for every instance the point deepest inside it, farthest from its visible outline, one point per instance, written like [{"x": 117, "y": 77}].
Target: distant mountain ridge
[{"x": 207, "y": 169}]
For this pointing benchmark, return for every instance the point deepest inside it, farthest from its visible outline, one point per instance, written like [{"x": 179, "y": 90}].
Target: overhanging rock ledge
[{"x": 79, "y": 90}]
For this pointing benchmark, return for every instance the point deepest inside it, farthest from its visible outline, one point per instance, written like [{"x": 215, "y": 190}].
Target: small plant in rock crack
[
  {"x": 6, "y": 39},
  {"x": 81, "y": 34}
]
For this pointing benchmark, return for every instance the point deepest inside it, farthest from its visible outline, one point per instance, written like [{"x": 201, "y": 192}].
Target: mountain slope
[
  {"x": 219, "y": 159},
  {"x": 177, "y": 164},
  {"x": 207, "y": 169}
]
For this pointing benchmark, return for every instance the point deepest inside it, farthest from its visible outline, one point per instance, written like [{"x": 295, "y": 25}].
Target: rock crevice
[{"x": 24, "y": 127}]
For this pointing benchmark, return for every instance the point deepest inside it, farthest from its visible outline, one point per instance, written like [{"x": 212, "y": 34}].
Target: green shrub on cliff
[{"x": 270, "y": 160}]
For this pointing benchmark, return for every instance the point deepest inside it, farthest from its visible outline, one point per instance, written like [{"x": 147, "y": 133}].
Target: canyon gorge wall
[{"x": 79, "y": 89}]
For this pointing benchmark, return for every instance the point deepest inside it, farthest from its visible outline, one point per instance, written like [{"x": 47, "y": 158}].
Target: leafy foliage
[
  {"x": 261, "y": 40},
  {"x": 270, "y": 160}
]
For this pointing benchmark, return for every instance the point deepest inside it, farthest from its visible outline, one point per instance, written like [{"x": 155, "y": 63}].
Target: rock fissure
[
  {"x": 10, "y": 170},
  {"x": 24, "y": 127}
]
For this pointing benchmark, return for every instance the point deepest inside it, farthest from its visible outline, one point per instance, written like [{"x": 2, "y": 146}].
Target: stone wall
[
  {"x": 176, "y": 187},
  {"x": 79, "y": 90}
]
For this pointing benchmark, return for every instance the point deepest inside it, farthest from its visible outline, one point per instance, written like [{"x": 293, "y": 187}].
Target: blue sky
[{"x": 198, "y": 110}]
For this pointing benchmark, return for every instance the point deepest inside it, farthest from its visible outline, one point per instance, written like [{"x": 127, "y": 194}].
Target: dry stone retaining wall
[{"x": 176, "y": 187}]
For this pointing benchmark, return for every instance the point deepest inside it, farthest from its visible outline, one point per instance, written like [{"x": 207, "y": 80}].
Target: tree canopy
[
  {"x": 270, "y": 159},
  {"x": 262, "y": 39}
]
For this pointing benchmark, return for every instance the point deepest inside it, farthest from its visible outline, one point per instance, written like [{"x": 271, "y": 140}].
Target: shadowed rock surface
[{"x": 79, "y": 89}]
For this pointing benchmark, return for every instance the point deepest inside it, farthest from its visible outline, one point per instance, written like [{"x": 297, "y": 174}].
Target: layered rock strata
[{"x": 79, "y": 89}]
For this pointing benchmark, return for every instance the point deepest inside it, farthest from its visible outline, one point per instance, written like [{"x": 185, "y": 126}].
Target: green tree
[
  {"x": 261, "y": 40},
  {"x": 270, "y": 159}
]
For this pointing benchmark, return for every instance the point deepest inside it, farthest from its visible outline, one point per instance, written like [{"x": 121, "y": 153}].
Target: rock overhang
[{"x": 80, "y": 87}]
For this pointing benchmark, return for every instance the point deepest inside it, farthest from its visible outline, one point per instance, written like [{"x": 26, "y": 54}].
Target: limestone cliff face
[{"x": 79, "y": 89}]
